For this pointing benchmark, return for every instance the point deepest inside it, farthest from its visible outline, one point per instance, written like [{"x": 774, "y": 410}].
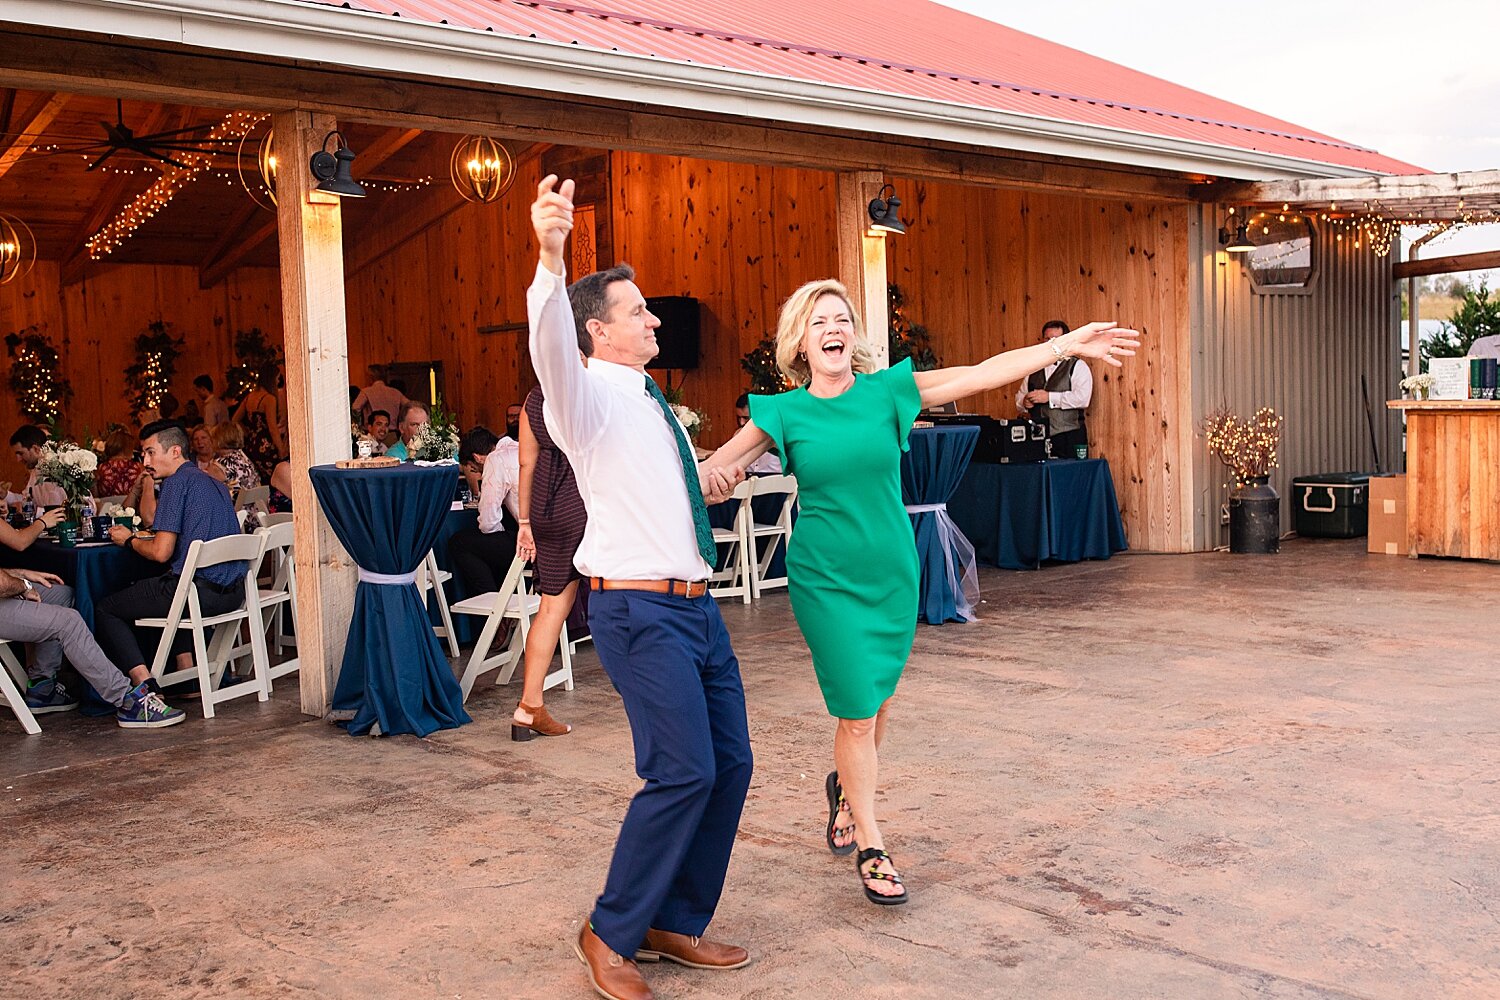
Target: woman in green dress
[{"x": 852, "y": 571}]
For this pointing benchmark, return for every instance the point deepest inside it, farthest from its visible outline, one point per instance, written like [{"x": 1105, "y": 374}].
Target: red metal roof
[{"x": 909, "y": 47}]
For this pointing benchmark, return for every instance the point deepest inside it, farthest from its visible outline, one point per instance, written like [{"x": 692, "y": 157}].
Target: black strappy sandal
[
  {"x": 876, "y": 854},
  {"x": 835, "y": 806}
]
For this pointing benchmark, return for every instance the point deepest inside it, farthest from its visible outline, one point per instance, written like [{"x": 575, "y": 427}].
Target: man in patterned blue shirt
[{"x": 192, "y": 506}]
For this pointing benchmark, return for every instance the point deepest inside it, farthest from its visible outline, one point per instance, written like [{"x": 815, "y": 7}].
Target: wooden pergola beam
[
  {"x": 35, "y": 58},
  {"x": 1446, "y": 265},
  {"x": 41, "y": 115},
  {"x": 1440, "y": 196},
  {"x": 861, "y": 256},
  {"x": 230, "y": 254}
]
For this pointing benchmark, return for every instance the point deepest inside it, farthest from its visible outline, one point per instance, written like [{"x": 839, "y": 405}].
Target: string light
[
  {"x": 1378, "y": 227},
  {"x": 1247, "y": 447},
  {"x": 159, "y": 195}
]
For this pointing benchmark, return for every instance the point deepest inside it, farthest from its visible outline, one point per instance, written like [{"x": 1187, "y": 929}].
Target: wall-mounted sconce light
[
  {"x": 883, "y": 212},
  {"x": 1234, "y": 235},
  {"x": 332, "y": 169}
]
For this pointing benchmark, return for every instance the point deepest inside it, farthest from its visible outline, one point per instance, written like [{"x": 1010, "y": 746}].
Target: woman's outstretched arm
[{"x": 1101, "y": 341}]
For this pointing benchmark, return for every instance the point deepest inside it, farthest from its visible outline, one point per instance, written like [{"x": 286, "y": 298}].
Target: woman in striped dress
[{"x": 552, "y": 518}]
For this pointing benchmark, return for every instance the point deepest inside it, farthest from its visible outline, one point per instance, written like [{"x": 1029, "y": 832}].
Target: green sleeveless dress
[{"x": 852, "y": 569}]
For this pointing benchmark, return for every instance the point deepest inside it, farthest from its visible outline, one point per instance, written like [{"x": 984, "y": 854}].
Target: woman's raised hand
[{"x": 1104, "y": 341}]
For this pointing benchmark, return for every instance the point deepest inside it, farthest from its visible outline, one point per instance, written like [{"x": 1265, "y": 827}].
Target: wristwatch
[{"x": 27, "y": 584}]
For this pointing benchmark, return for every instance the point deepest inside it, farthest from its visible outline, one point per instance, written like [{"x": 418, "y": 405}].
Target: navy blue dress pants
[{"x": 670, "y": 660}]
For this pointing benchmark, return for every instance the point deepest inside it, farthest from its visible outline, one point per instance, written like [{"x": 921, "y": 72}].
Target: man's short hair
[
  {"x": 168, "y": 434},
  {"x": 1055, "y": 324},
  {"x": 590, "y": 298},
  {"x": 408, "y": 406},
  {"x": 29, "y": 436},
  {"x": 477, "y": 441},
  {"x": 204, "y": 382},
  {"x": 167, "y": 406},
  {"x": 378, "y": 413},
  {"x": 743, "y": 402}
]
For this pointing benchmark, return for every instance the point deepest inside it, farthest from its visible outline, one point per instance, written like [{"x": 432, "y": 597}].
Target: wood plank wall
[{"x": 982, "y": 269}]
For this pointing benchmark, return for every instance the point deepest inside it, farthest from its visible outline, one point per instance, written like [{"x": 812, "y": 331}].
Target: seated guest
[
  {"x": 204, "y": 455},
  {"x": 513, "y": 421},
  {"x": 480, "y": 555},
  {"x": 229, "y": 443},
  {"x": 768, "y": 464},
  {"x": 35, "y": 607},
  {"x": 378, "y": 427},
  {"x": 192, "y": 506},
  {"x": 410, "y": 419},
  {"x": 281, "y": 489},
  {"x": 119, "y": 470},
  {"x": 215, "y": 410},
  {"x": 26, "y": 443}
]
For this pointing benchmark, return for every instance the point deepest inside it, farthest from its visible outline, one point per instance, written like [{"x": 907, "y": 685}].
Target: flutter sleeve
[
  {"x": 906, "y": 399},
  {"x": 765, "y": 413}
]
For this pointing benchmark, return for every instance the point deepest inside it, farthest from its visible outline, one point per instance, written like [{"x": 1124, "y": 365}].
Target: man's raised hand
[{"x": 552, "y": 218}]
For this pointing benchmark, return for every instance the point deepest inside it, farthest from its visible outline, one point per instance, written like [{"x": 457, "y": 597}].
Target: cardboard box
[{"x": 1387, "y": 519}]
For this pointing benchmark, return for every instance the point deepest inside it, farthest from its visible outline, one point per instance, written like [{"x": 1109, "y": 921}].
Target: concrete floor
[{"x": 1158, "y": 776}]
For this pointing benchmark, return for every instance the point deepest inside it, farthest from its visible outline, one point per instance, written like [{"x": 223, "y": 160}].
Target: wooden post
[
  {"x": 862, "y": 266},
  {"x": 317, "y": 386}
]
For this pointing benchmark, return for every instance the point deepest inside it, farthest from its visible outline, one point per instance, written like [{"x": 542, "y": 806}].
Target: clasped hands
[{"x": 718, "y": 483}]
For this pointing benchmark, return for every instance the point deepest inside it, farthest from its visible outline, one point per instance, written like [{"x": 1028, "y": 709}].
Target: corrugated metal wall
[{"x": 1302, "y": 353}]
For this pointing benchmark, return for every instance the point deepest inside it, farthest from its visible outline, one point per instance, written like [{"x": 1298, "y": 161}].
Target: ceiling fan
[{"x": 163, "y": 147}]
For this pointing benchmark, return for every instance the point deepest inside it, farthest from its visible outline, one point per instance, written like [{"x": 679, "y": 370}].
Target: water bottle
[{"x": 28, "y": 510}]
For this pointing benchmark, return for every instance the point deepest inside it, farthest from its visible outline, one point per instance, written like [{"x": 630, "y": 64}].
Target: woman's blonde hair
[
  {"x": 792, "y": 326},
  {"x": 227, "y": 436}
]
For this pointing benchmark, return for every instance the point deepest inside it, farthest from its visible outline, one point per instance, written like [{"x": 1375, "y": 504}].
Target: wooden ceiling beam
[
  {"x": 1439, "y": 196},
  {"x": 111, "y": 197},
  {"x": 40, "y": 116},
  {"x": 229, "y": 254}
]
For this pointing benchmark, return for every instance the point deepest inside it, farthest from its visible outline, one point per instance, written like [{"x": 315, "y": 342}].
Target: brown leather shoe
[
  {"x": 613, "y": 976},
  {"x": 693, "y": 952},
  {"x": 542, "y": 724}
]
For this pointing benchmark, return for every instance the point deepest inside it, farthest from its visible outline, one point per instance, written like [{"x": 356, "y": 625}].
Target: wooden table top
[{"x": 1468, "y": 405}]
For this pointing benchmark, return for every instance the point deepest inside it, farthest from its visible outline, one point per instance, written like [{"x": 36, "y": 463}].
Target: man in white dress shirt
[
  {"x": 1058, "y": 395},
  {"x": 646, "y": 557},
  {"x": 482, "y": 554}
]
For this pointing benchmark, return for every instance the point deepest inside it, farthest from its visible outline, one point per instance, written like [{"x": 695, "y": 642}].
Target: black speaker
[{"x": 677, "y": 337}]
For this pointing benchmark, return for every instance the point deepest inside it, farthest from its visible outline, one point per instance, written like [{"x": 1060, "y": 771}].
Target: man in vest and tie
[
  {"x": 646, "y": 556},
  {"x": 1058, "y": 395}
]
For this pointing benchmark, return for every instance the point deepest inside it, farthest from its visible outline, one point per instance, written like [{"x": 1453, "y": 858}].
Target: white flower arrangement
[
  {"x": 1418, "y": 385},
  {"x": 434, "y": 444},
  {"x": 695, "y": 422},
  {"x": 69, "y": 466}
]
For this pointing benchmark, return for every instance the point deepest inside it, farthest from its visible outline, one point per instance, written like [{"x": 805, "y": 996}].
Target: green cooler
[{"x": 1331, "y": 505}]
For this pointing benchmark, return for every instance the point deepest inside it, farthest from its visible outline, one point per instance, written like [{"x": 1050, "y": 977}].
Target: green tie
[{"x": 701, "y": 527}]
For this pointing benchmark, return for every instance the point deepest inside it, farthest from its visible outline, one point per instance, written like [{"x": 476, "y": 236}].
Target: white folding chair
[
  {"x": 13, "y": 681},
  {"x": 513, "y": 601},
  {"x": 429, "y": 575},
  {"x": 212, "y": 657},
  {"x": 734, "y": 579},
  {"x": 279, "y": 600},
  {"x": 258, "y": 499},
  {"x": 271, "y": 520},
  {"x": 778, "y": 531}
]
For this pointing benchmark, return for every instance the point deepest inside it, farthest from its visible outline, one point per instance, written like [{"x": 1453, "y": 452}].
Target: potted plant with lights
[{"x": 1248, "y": 448}]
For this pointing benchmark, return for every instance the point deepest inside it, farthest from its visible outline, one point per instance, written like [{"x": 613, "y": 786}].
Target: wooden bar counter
[{"x": 1452, "y": 477}]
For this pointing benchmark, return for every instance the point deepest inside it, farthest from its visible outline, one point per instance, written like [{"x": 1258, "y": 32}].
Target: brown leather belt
[{"x": 680, "y": 588}]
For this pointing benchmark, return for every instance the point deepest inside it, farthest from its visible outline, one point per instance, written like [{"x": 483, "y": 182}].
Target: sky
[{"x": 1417, "y": 81}]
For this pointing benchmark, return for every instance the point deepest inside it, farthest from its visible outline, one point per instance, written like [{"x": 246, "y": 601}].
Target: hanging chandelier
[
  {"x": 17, "y": 249},
  {"x": 481, "y": 168},
  {"x": 259, "y": 181}
]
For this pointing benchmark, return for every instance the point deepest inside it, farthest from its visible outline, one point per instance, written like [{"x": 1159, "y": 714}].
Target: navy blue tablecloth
[
  {"x": 93, "y": 571},
  {"x": 394, "y": 672},
  {"x": 930, "y": 471},
  {"x": 1021, "y": 515}
]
